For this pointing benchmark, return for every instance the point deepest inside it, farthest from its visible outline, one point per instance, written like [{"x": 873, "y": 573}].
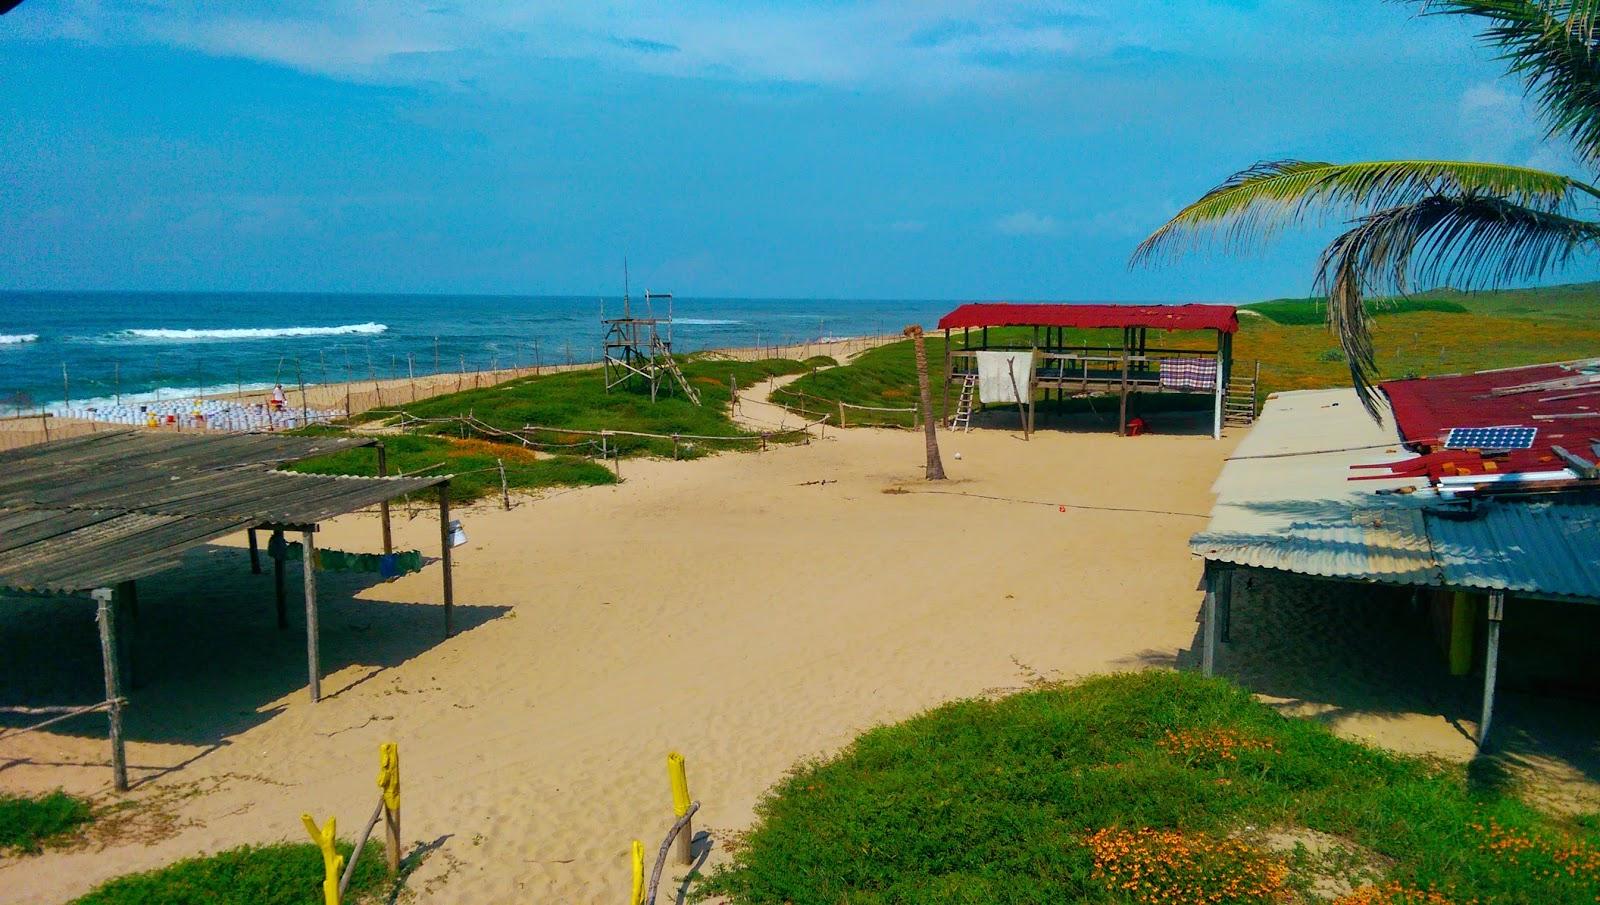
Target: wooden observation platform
[
  {"x": 635, "y": 349},
  {"x": 1055, "y": 357}
]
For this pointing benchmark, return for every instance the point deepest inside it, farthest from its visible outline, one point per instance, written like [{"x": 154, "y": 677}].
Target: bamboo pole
[
  {"x": 308, "y": 544},
  {"x": 445, "y": 557}
]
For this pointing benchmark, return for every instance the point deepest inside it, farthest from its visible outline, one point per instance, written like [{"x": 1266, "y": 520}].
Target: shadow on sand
[{"x": 208, "y": 659}]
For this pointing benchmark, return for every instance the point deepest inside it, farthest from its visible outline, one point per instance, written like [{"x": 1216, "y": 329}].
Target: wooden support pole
[
  {"x": 1491, "y": 664},
  {"x": 1208, "y": 641},
  {"x": 106, "y": 615},
  {"x": 679, "y": 780},
  {"x": 1221, "y": 387},
  {"x": 944, "y": 404},
  {"x": 255, "y": 553},
  {"x": 444, "y": 556},
  {"x": 383, "y": 505},
  {"x": 308, "y": 543},
  {"x": 1122, "y": 417},
  {"x": 277, "y": 547},
  {"x": 389, "y": 782}
]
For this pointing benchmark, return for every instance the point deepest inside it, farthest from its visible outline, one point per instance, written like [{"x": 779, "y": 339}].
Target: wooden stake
[
  {"x": 108, "y": 658},
  {"x": 679, "y": 780},
  {"x": 444, "y": 556},
  {"x": 308, "y": 545},
  {"x": 383, "y": 505},
  {"x": 389, "y": 782},
  {"x": 505, "y": 492}
]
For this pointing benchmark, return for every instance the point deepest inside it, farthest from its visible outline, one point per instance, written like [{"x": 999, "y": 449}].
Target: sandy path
[{"x": 730, "y": 608}]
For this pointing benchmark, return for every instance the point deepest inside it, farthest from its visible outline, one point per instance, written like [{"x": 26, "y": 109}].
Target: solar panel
[{"x": 1495, "y": 438}]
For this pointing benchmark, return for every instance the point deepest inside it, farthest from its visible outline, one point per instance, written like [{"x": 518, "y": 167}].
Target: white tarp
[{"x": 1001, "y": 375}]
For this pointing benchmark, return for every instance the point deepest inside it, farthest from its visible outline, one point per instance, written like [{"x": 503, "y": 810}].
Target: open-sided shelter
[
  {"x": 1475, "y": 489},
  {"x": 1059, "y": 361},
  {"x": 91, "y": 515}
]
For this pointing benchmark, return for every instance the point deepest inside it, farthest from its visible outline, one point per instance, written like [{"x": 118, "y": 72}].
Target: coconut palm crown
[{"x": 1430, "y": 222}]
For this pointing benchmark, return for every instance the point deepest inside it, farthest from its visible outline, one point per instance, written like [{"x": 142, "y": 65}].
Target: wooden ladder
[
  {"x": 1239, "y": 405},
  {"x": 963, "y": 418},
  {"x": 671, "y": 366}
]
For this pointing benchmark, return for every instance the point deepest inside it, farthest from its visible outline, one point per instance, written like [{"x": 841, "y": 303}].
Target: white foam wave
[
  {"x": 17, "y": 339},
  {"x": 702, "y": 322},
  {"x": 255, "y": 332}
]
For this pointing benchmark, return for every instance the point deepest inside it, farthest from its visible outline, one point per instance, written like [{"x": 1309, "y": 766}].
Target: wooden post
[
  {"x": 383, "y": 505},
  {"x": 505, "y": 489},
  {"x": 389, "y": 781},
  {"x": 255, "y": 553},
  {"x": 841, "y": 413},
  {"x": 1221, "y": 387},
  {"x": 444, "y": 556},
  {"x": 1491, "y": 664},
  {"x": 1208, "y": 642},
  {"x": 278, "y": 548},
  {"x": 679, "y": 780},
  {"x": 105, "y": 614},
  {"x": 308, "y": 544},
  {"x": 944, "y": 392},
  {"x": 1122, "y": 418}
]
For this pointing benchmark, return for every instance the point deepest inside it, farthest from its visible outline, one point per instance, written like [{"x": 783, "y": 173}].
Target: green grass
[
  {"x": 994, "y": 801},
  {"x": 28, "y": 823},
  {"x": 578, "y": 401},
  {"x": 282, "y": 874},
  {"x": 1300, "y": 312},
  {"x": 471, "y": 461}
]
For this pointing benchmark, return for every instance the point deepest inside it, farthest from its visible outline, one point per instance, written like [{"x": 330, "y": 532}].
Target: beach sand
[{"x": 749, "y": 610}]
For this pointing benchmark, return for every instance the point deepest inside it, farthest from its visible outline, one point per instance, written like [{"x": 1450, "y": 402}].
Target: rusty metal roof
[
  {"x": 96, "y": 510},
  {"x": 1285, "y": 501}
]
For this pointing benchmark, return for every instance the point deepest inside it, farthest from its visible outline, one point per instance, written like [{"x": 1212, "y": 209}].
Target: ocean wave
[
  {"x": 17, "y": 339},
  {"x": 702, "y": 322},
  {"x": 253, "y": 332}
]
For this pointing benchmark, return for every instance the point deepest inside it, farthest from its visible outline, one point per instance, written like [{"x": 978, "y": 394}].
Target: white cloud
[
  {"x": 1027, "y": 223},
  {"x": 931, "y": 44}
]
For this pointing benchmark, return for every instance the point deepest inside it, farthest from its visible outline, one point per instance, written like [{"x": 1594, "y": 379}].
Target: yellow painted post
[
  {"x": 1462, "y": 611},
  {"x": 332, "y": 861},
  {"x": 637, "y": 898},
  {"x": 389, "y": 782},
  {"x": 680, "y": 805}
]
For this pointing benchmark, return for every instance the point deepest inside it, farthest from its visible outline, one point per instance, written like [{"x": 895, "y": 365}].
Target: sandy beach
[{"x": 748, "y": 610}]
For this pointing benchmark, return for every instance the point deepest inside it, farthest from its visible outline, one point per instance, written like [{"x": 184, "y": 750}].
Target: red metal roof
[
  {"x": 1561, "y": 400},
  {"x": 1161, "y": 317}
]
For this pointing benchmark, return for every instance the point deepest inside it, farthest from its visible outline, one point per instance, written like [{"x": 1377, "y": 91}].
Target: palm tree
[
  {"x": 935, "y": 471},
  {"x": 1430, "y": 222}
]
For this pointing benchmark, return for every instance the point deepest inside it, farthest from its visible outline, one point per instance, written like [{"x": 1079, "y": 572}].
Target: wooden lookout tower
[{"x": 640, "y": 348}]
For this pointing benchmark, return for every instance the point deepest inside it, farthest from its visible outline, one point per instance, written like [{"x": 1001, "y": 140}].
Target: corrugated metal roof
[
  {"x": 93, "y": 511},
  {"x": 1285, "y": 501}
]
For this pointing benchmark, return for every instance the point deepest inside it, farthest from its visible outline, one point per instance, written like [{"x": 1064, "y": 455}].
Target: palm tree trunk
[{"x": 935, "y": 464}]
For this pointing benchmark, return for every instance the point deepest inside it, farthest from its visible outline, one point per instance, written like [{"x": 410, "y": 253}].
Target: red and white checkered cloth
[{"x": 1189, "y": 373}]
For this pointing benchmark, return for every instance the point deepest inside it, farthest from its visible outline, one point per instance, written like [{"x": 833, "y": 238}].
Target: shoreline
[{"x": 350, "y": 398}]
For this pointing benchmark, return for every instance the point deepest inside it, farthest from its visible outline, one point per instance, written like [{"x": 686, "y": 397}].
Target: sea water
[{"x": 91, "y": 347}]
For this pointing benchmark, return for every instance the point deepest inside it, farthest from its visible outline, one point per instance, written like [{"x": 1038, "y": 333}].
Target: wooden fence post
[
  {"x": 389, "y": 782},
  {"x": 680, "y": 805},
  {"x": 105, "y": 614}
]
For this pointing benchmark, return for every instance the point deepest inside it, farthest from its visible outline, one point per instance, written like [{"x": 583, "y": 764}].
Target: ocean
[{"x": 89, "y": 347}]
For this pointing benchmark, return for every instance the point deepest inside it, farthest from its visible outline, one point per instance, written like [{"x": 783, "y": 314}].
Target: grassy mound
[
  {"x": 471, "y": 461},
  {"x": 283, "y": 874},
  {"x": 577, "y": 400},
  {"x": 1147, "y": 788},
  {"x": 26, "y": 824},
  {"x": 1314, "y": 311}
]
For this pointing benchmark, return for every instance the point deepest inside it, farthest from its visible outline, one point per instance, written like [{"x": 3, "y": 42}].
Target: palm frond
[
  {"x": 1253, "y": 205},
  {"x": 1554, "y": 45},
  {"x": 1461, "y": 240}
]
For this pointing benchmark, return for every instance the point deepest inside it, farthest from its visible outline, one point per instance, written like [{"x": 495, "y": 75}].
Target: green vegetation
[
  {"x": 578, "y": 401},
  {"x": 27, "y": 824},
  {"x": 471, "y": 461},
  {"x": 1143, "y": 788},
  {"x": 1315, "y": 310},
  {"x": 282, "y": 874}
]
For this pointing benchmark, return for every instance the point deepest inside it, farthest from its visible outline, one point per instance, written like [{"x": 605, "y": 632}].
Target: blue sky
[{"x": 933, "y": 149}]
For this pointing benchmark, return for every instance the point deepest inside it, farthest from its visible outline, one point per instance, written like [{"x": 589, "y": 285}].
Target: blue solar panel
[{"x": 1490, "y": 438}]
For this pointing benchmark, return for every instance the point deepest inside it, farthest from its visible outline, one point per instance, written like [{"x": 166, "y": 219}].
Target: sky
[{"x": 932, "y": 149}]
